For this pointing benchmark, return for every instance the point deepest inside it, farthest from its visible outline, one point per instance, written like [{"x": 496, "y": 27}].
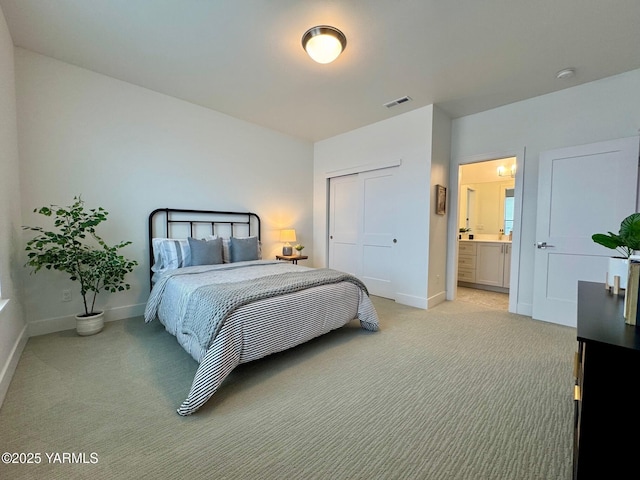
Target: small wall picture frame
[{"x": 441, "y": 200}]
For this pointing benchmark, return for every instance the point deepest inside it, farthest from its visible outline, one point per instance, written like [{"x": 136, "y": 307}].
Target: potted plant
[
  {"x": 625, "y": 242},
  {"x": 299, "y": 248},
  {"x": 74, "y": 247}
]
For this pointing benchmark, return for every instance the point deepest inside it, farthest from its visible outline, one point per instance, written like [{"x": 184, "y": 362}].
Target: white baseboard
[
  {"x": 436, "y": 299},
  {"x": 412, "y": 301},
  {"x": 12, "y": 362},
  {"x": 59, "y": 324}
]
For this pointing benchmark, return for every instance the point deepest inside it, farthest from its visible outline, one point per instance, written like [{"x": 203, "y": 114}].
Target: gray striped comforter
[{"x": 224, "y": 315}]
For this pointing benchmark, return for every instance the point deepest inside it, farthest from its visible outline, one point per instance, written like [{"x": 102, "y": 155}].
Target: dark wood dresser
[{"x": 607, "y": 370}]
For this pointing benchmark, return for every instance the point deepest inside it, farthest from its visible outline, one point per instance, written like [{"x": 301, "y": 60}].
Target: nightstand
[{"x": 291, "y": 258}]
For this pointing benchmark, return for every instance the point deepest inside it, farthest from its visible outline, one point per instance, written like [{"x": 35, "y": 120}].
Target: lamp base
[{"x": 287, "y": 250}]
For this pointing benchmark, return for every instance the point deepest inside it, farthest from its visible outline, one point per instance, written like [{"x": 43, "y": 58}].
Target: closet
[{"x": 362, "y": 238}]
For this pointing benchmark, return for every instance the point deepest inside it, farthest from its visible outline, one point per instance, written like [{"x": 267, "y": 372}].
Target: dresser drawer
[
  {"x": 466, "y": 248},
  {"x": 467, "y": 261}
]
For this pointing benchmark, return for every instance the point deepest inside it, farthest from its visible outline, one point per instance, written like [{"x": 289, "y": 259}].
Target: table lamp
[{"x": 286, "y": 236}]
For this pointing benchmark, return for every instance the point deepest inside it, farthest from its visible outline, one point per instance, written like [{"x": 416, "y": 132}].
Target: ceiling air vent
[{"x": 397, "y": 101}]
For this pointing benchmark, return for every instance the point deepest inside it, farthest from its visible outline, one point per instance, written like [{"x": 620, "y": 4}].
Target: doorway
[{"x": 484, "y": 230}]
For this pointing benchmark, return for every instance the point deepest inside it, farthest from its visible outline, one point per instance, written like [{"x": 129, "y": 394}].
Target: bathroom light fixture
[
  {"x": 503, "y": 172},
  {"x": 324, "y": 43}
]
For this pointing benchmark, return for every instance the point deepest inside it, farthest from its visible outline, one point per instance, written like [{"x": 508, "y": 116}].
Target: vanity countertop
[{"x": 484, "y": 241}]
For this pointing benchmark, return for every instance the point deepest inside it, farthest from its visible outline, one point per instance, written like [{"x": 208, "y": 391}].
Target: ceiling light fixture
[
  {"x": 324, "y": 43},
  {"x": 566, "y": 73}
]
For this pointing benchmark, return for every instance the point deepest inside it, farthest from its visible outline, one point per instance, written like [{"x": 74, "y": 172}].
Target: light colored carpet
[{"x": 461, "y": 391}]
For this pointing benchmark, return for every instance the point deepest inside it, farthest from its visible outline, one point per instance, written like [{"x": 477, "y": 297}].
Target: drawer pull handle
[{"x": 576, "y": 393}]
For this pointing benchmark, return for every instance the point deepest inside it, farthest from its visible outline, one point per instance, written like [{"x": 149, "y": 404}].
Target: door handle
[{"x": 543, "y": 245}]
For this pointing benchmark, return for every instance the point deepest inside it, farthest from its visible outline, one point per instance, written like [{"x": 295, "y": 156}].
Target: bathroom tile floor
[{"x": 486, "y": 298}]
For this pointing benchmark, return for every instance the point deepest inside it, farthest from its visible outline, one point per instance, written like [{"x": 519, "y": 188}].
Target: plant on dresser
[
  {"x": 625, "y": 242},
  {"x": 74, "y": 247}
]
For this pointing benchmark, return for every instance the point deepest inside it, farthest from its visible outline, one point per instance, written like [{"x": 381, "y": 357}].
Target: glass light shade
[{"x": 323, "y": 43}]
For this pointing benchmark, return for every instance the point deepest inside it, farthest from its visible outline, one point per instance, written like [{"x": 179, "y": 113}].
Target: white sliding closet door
[
  {"x": 344, "y": 224},
  {"x": 362, "y": 228}
]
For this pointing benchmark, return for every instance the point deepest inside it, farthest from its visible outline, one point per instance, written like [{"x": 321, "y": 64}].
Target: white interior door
[
  {"x": 582, "y": 190},
  {"x": 361, "y": 228},
  {"x": 378, "y": 229},
  {"x": 344, "y": 224}
]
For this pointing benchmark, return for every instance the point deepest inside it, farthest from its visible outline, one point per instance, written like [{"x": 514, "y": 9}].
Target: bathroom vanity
[{"x": 484, "y": 264}]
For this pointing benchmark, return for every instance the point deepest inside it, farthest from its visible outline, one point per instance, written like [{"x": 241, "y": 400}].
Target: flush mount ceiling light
[{"x": 324, "y": 43}]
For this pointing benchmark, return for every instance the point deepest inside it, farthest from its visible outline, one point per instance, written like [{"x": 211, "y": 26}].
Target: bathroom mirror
[
  {"x": 483, "y": 207},
  {"x": 486, "y": 198}
]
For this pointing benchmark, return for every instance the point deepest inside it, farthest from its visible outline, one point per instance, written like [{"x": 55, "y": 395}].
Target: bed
[{"x": 226, "y": 305}]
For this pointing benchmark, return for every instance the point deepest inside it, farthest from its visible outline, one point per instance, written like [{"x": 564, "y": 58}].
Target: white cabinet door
[
  {"x": 507, "y": 265},
  {"x": 490, "y": 264}
]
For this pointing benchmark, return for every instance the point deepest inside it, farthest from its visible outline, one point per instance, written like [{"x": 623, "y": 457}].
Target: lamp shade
[
  {"x": 288, "y": 235},
  {"x": 324, "y": 43}
]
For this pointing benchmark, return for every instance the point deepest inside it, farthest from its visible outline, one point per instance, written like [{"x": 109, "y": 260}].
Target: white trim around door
[{"x": 452, "y": 226}]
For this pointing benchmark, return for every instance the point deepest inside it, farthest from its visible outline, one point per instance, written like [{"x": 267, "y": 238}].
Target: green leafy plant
[
  {"x": 299, "y": 247},
  {"x": 626, "y": 241},
  {"x": 75, "y": 248}
]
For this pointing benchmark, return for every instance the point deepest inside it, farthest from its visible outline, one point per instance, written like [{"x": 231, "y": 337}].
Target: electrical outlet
[{"x": 66, "y": 295}]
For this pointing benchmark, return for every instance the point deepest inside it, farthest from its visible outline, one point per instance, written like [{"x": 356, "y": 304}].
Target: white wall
[
  {"x": 440, "y": 160},
  {"x": 131, "y": 150},
  {"x": 13, "y": 335},
  {"x": 589, "y": 113},
  {"x": 405, "y": 138}
]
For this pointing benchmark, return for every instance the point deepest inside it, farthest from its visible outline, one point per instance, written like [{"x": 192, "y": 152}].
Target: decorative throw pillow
[
  {"x": 243, "y": 249},
  {"x": 174, "y": 253},
  {"x": 157, "y": 255},
  {"x": 205, "y": 252}
]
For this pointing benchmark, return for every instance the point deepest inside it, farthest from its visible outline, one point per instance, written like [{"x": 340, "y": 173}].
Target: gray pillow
[
  {"x": 243, "y": 249},
  {"x": 205, "y": 252}
]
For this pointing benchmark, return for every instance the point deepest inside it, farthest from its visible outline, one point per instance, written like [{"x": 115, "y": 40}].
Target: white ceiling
[{"x": 244, "y": 57}]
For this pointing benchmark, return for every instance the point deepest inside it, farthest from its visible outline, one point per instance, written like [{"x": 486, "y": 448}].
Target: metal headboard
[{"x": 191, "y": 223}]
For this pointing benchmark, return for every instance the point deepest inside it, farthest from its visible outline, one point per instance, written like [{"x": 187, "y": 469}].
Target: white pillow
[
  {"x": 156, "y": 244},
  {"x": 175, "y": 253}
]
